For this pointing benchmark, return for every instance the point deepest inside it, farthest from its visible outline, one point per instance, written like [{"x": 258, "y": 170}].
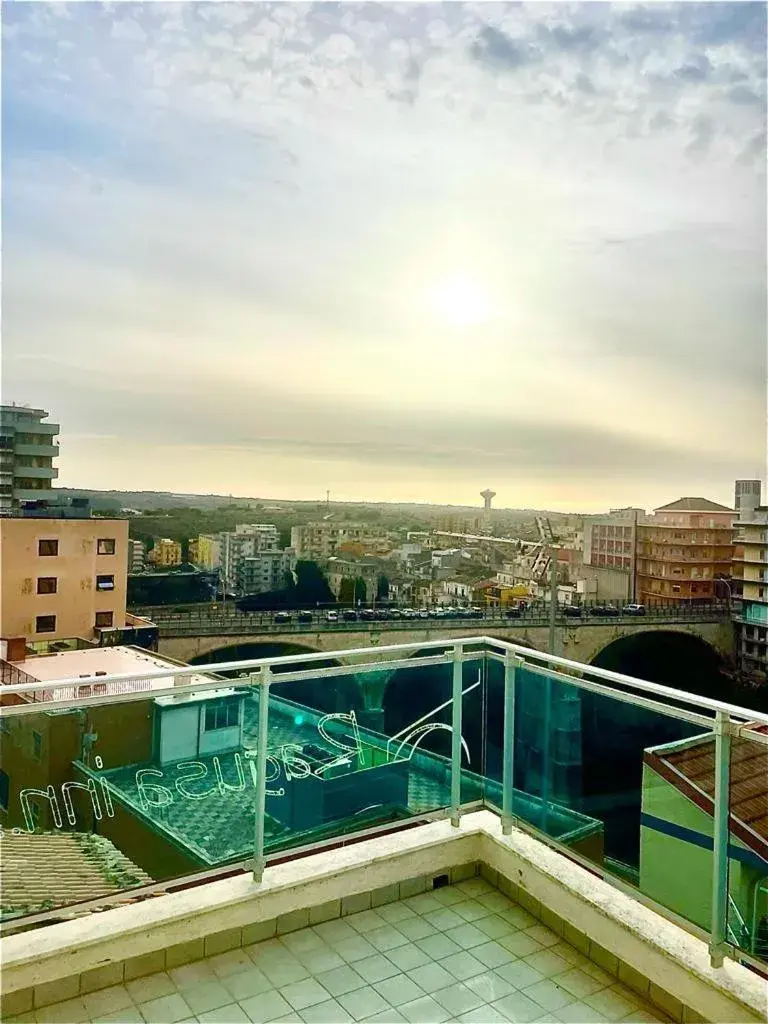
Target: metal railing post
[
  {"x": 717, "y": 940},
  {"x": 260, "y": 807},
  {"x": 456, "y": 737},
  {"x": 546, "y": 754},
  {"x": 508, "y": 755}
]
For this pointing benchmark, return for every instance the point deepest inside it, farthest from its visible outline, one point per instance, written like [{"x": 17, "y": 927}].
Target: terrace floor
[{"x": 463, "y": 952}]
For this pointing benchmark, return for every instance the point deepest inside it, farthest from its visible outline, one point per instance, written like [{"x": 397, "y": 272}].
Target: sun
[{"x": 460, "y": 301}]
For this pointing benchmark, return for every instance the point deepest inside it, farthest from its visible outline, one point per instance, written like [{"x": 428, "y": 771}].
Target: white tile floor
[{"x": 460, "y": 953}]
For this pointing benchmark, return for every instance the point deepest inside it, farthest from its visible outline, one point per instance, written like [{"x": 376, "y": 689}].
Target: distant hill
[{"x": 145, "y": 500}]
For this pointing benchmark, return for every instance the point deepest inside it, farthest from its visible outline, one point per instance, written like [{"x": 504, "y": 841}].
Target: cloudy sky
[{"x": 399, "y": 251}]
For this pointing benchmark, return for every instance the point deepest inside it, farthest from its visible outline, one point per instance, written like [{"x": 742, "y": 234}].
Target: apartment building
[
  {"x": 62, "y": 578},
  {"x": 137, "y": 554},
  {"x": 208, "y": 552},
  {"x": 264, "y": 571},
  {"x": 746, "y": 497},
  {"x": 165, "y": 552},
  {"x": 321, "y": 541},
  {"x": 27, "y": 451},
  {"x": 247, "y": 540},
  {"x": 750, "y": 582},
  {"x": 609, "y": 541},
  {"x": 340, "y": 569},
  {"x": 682, "y": 549}
]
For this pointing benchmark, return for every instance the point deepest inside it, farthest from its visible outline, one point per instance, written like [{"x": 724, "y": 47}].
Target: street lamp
[{"x": 727, "y": 582}]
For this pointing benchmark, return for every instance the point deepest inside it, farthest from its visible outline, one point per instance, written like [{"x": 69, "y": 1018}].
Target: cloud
[
  {"x": 219, "y": 197},
  {"x": 492, "y": 47}
]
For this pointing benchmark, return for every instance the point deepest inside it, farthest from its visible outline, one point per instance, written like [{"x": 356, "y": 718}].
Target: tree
[
  {"x": 382, "y": 588},
  {"x": 312, "y": 585}
]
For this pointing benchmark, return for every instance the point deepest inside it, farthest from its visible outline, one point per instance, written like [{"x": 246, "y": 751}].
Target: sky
[{"x": 395, "y": 251}]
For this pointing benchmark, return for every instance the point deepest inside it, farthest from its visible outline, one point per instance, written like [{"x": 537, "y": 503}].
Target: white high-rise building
[
  {"x": 246, "y": 541},
  {"x": 27, "y": 451}
]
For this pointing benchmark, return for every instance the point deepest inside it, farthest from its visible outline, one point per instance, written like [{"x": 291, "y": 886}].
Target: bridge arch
[
  {"x": 327, "y": 693},
  {"x": 672, "y": 656}
]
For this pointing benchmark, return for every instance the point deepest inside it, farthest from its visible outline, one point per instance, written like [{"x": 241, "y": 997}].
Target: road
[{"x": 205, "y": 621}]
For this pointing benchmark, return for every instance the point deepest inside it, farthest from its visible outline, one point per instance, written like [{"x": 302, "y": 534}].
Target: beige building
[
  {"x": 165, "y": 552},
  {"x": 682, "y": 550},
  {"x": 321, "y": 541},
  {"x": 62, "y": 578}
]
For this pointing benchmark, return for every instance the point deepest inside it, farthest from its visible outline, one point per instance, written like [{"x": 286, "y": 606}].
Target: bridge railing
[
  {"x": 178, "y": 775},
  {"x": 241, "y": 623}
]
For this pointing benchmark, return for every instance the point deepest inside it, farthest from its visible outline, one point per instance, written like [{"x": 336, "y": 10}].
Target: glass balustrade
[{"x": 115, "y": 787}]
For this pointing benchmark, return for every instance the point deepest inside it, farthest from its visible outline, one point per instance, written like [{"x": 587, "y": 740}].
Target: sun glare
[{"x": 460, "y": 301}]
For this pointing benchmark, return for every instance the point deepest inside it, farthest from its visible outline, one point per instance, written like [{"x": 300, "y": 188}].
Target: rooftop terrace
[{"x": 271, "y": 791}]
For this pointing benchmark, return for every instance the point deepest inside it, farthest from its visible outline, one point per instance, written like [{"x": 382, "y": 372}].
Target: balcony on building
[
  {"x": 42, "y": 448},
  {"x": 450, "y": 830}
]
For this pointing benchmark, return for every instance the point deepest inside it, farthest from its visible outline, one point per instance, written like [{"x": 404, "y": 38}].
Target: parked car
[
  {"x": 395, "y": 613},
  {"x": 304, "y": 616},
  {"x": 513, "y": 613},
  {"x": 331, "y": 616},
  {"x": 349, "y": 615},
  {"x": 367, "y": 614},
  {"x": 283, "y": 617},
  {"x": 572, "y": 611},
  {"x": 604, "y": 611},
  {"x": 633, "y": 609},
  {"x": 424, "y": 613},
  {"x": 409, "y": 613}
]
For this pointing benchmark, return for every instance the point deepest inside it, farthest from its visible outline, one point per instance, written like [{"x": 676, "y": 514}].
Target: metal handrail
[{"x": 707, "y": 704}]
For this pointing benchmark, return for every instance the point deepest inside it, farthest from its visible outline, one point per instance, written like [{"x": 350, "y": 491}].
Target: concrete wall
[{"x": 75, "y": 568}]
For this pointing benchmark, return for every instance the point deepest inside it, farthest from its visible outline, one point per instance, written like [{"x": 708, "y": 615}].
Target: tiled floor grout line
[{"x": 459, "y": 953}]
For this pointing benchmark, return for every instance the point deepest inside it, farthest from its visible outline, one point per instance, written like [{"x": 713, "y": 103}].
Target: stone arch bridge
[{"x": 581, "y": 641}]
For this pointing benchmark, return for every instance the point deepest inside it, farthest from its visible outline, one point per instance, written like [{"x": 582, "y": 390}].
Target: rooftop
[
  {"x": 94, "y": 662},
  {"x": 694, "y": 505},
  {"x": 690, "y": 767},
  {"x": 47, "y": 869}
]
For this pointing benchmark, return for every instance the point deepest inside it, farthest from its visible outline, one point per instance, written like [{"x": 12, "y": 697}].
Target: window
[
  {"x": 105, "y": 546},
  {"x": 105, "y": 582},
  {"x": 46, "y": 584},
  {"x": 104, "y": 619},
  {"x": 222, "y": 715},
  {"x": 47, "y": 547},
  {"x": 37, "y": 745},
  {"x": 5, "y": 788},
  {"x": 45, "y": 624}
]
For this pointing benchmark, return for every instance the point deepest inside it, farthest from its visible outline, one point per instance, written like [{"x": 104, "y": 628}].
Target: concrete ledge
[
  {"x": 666, "y": 964},
  {"x": 73, "y": 947},
  {"x": 676, "y": 962}
]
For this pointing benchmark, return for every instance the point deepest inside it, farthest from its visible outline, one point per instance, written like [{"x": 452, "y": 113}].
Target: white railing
[{"x": 721, "y": 719}]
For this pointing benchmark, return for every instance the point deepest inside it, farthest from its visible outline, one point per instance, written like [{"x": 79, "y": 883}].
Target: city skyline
[{"x": 395, "y": 251}]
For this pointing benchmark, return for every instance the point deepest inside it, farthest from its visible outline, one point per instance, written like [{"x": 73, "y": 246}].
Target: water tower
[{"x": 487, "y": 495}]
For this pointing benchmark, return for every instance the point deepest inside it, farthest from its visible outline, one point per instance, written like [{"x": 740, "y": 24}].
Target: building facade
[
  {"x": 247, "y": 540},
  {"x": 208, "y": 552},
  {"x": 27, "y": 451},
  {"x": 62, "y": 578},
  {"x": 750, "y": 582},
  {"x": 682, "y": 550},
  {"x": 340, "y": 569},
  {"x": 264, "y": 572},
  {"x": 321, "y": 541},
  {"x": 137, "y": 554},
  {"x": 165, "y": 552},
  {"x": 746, "y": 497},
  {"x": 610, "y": 541}
]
